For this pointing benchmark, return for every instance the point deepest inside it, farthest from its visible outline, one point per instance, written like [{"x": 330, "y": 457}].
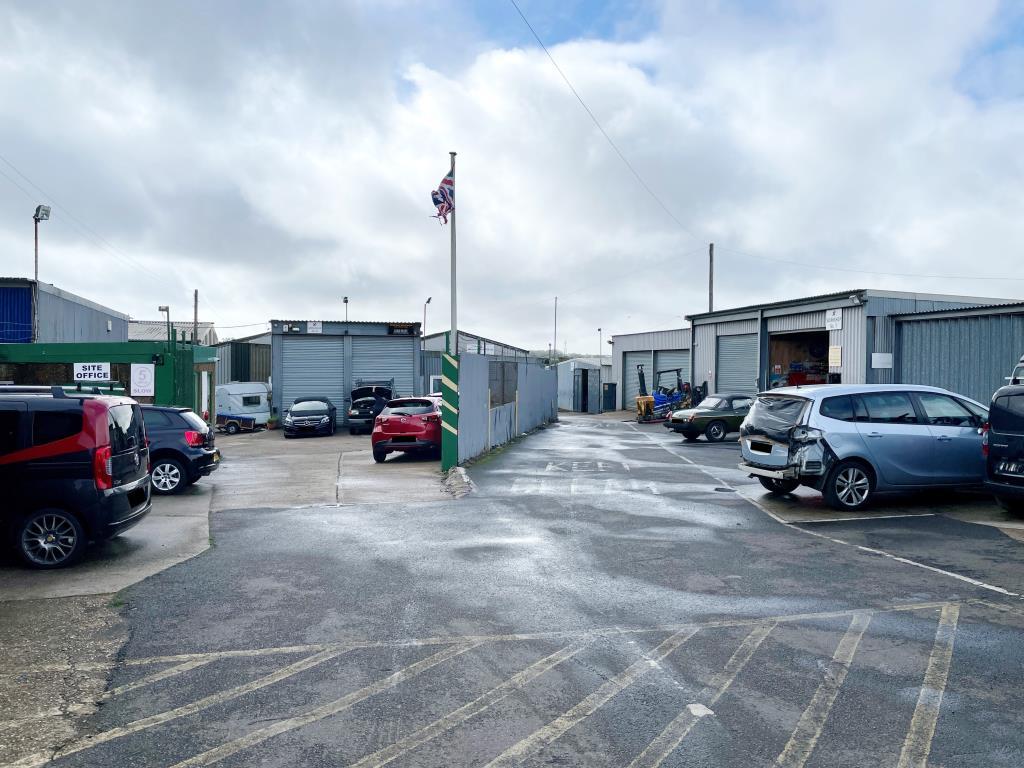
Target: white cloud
[{"x": 278, "y": 174}]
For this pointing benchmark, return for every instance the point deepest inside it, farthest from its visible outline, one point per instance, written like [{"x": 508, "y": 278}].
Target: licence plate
[
  {"x": 1011, "y": 467},
  {"x": 760, "y": 447}
]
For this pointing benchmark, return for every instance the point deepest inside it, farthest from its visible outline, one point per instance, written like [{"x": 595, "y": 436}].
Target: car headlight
[
  {"x": 287, "y": 419},
  {"x": 325, "y": 419}
]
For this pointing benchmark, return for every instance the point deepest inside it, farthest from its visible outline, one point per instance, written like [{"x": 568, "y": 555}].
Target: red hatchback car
[{"x": 407, "y": 424}]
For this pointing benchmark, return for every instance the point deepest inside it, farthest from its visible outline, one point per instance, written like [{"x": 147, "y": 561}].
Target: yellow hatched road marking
[
  {"x": 157, "y": 676},
  {"x": 540, "y": 738},
  {"x": 918, "y": 743},
  {"x": 670, "y": 738},
  {"x": 464, "y": 713},
  {"x": 808, "y": 729},
  {"x": 326, "y": 710},
  {"x": 41, "y": 758}
]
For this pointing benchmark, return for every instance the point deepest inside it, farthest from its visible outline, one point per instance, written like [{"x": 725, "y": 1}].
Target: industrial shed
[
  {"x": 244, "y": 359},
  {"x": 579, "y": 385},
  {"x": 33, "y": 311},
  {"x": 323, "y": 358},
  {"x": 656, "y": 351},
  {"x": 847, "y": 337},
  {"x": 971, "y": 350}
]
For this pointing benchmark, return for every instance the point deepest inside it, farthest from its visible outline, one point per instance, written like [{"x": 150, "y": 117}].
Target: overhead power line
[{"x": 593, "y": 117}]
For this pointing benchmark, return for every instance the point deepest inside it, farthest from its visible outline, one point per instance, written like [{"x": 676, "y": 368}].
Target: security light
[{"x": 42, "y": 213}]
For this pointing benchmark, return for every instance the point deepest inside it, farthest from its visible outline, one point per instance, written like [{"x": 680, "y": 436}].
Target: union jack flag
[{"x": 444, "y": 197}]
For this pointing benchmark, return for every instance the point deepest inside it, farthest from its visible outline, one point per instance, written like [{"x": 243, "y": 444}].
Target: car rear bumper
[
  {"x": 360, "y": 422},
  {"x": 124, "y": 507},
  {"x": 781, "y": 473},
  {"x": 206, "y": 463},
  {"x": 393, "y": 444}
]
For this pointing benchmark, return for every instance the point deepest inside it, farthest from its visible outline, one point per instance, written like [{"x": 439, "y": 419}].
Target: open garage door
[
  {"x": 314, "y": 367},
  {"x": 630, "y": 380},
  {"x": 736, "y": 370},
  {"x": 798, "y": 358}
]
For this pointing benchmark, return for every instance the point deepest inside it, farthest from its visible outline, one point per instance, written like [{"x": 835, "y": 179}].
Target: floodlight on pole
[
  {"x": 42, "y": 214},
  {"x": 345, "y": 302},
  {"x": 167, "y": 311},
  {"x": 423, "y": 330}
]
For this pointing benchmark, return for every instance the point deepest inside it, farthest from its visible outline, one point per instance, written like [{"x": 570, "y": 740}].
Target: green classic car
[{"x": 715, "y": 417}]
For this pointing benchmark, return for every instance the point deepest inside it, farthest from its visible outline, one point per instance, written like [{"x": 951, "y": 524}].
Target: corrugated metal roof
[
  {"x": 785, "y": 303},
  {"x": 156, "y": 330},
  {"x": 974, "y": 309},
  {"x": 351, "y": 322}
]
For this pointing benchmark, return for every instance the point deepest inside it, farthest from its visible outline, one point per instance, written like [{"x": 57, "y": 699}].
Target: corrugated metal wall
[
  {"x": 481, "y": 427},
  {"x": 704, "y": 350},
  {"x": 259, "y": 362},
  {"x": 737, "y": 366},
  {"x": 969, "y": 355},
  {"x": 806, "y": 321},
  {"x": 64, "y": 320},
  {"x": 673, "y": 358},
  {"x": 678, "y": 339},
  {"x": 430, "y": 365},
  {"x": 385, "y": 357},
  {"x": 224, "y": 370},
  {"x": 853, "y": 339},
  {"x": 314, "y": 366},
  {"x": 15, "y": 314}
]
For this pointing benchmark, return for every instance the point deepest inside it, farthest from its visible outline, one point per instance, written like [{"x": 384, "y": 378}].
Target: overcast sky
[{"x": 279, "y": 156}]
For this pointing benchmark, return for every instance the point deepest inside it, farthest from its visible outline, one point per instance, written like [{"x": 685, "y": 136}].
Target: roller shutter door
[
  {"x": 314, "y": 366},
  {"x": 673, "y": 358},
  {"x": 385, "y": 357},
  {"x": 630, "y": 379},
  {"x": 737, "y": 364}
]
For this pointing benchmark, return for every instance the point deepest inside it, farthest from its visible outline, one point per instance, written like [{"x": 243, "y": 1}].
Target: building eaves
[
  {"x": 1016, "y": 307},
  {"x": 778, "y": 304}
]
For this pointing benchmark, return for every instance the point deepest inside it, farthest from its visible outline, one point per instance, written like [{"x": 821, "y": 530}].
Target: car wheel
[
  {"x": 716, "y": 432},
  {"x": 50, "y": 538},
  {"x": 690, "y": 438},
  {"x": 168, "y": 476},
  {"x": 232, "y": 428},
  {"x": 379, "y": 456},
  {"x": 778, "y": 487},
  {"x": 850, "y": 485}
]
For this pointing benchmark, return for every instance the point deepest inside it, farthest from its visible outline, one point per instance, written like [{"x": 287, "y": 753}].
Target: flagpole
[{"x": 453, "y": 340}]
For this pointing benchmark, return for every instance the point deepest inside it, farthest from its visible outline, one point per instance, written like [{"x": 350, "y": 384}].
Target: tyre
[
  {"x": 849, "y": 486},
  {"x": 50, "y": 538},
  {"x": 689, "y": 437},
  {"x": 232, "y": 428},
  {"x": 168, "y": 476},
  {"x": 778, "y": 487},
  {"x": 716, "y": 432},
  {"x": 379, "y": 456}
]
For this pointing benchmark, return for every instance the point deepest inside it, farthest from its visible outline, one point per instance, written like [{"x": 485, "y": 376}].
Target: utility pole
[
  {"x": 600, "y": 347},
  {"x": 195, "y": 318},
  {"x": 554, "y": 344},
  {"x": 711, "y": 277}
]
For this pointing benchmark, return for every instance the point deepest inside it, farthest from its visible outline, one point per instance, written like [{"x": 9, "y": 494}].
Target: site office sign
[{"x": 92, "y": 372}]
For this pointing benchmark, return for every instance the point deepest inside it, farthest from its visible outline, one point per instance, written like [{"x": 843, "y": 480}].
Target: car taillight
[
  {"x": 432, "y": 418},
  {"x": 984, "y": 439},
  {"x": 102, "y": 469},
  {"x": 193, "y": 438}
]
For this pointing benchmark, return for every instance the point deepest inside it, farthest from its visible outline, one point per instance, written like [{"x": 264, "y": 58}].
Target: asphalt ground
[{"x": 605, "y": 597}]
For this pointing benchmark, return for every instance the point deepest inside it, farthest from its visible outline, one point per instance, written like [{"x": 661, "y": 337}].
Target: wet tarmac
[{"x": 606, "y": 597}]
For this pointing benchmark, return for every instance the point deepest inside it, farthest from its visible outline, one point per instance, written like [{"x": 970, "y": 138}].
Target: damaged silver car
[{"x": 851, "y": 442}]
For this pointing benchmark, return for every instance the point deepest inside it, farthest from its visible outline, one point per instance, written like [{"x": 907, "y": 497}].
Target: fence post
[{"x": 449, "y": 411}]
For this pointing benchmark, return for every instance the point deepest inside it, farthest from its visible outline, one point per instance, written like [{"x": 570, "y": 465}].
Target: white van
[
  {"x": 249, "y": 399},
  {"x": 1017, "y": 376}
]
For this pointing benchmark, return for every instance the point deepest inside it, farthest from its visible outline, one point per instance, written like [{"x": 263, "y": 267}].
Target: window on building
[{"x": 50, "y": 426}]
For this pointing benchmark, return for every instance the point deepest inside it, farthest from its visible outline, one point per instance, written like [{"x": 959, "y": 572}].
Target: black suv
[
  {"x": 369, "y": 398},
  {"x": 1004, "y": 447},
  {"x": 180, "y": 446},
  {"x": 74, "y": 467}
]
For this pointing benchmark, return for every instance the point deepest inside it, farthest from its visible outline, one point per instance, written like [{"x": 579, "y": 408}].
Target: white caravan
[{"x": 249, "y": 399}]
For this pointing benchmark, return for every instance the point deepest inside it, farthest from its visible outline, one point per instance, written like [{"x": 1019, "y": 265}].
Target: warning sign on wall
[{"x": 835, "y": 357}]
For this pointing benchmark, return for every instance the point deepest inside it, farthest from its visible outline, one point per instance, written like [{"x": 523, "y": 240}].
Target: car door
[
  {"x": 740, "y": 409},
  {"x": 900, "y": 446},
  {"x": 956, "y": 442}
]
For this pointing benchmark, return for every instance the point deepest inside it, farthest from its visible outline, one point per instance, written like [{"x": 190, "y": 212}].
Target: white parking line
[{"x": 865, "y": 517}]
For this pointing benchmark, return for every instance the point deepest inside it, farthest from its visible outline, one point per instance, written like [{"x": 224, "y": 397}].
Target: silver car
[{"x": 852, "y": 441}]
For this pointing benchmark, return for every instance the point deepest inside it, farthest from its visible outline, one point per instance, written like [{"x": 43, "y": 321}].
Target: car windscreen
[
  {"x": 774, "y": 415},
  {"x": 310, "y": 406},
  {"x": 125, "y": 426},
  {"x": 712, "y": 402},
  {"x": 409, "y": 407},
  {"x": 192, "y": 419},
  {"x": 1007, "y": 413}
]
